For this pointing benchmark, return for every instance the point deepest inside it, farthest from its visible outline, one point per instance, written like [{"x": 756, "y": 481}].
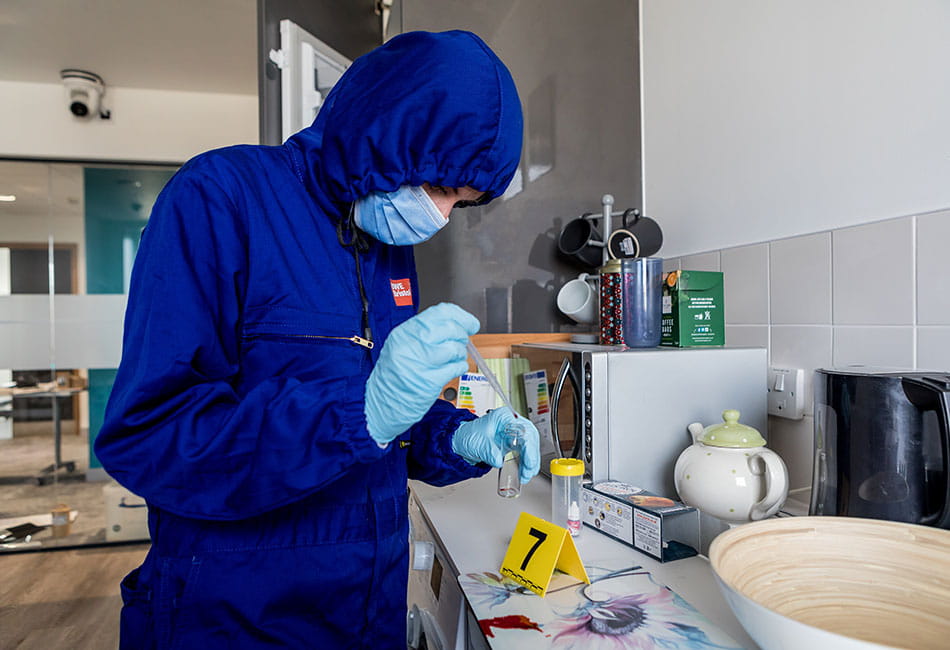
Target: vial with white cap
[{"x": 566, "y": 474}]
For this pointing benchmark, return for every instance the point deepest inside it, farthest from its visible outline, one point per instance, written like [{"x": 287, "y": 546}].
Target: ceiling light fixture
[{"x": 7, "y": 197}]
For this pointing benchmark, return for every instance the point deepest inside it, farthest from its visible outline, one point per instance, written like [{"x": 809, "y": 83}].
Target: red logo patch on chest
[{"x": 402, "y": 292}]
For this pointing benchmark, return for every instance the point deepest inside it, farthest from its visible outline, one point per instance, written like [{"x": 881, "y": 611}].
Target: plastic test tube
[{"x": 566, "y": 474}]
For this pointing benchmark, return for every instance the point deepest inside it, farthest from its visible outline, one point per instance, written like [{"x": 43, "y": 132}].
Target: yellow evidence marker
[{"x": 537, "y": 548}]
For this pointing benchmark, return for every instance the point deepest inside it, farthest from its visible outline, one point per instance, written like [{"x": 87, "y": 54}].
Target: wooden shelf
[{"x": 498, "y": 346}]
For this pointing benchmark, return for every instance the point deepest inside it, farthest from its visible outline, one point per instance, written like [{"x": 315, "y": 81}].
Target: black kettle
[{"x": 881, "y": 445}]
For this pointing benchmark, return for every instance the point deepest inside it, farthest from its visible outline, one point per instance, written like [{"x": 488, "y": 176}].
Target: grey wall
[{"x": 577, "y": 71}]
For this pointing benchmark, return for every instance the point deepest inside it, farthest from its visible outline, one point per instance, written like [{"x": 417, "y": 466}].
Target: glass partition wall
[{"x": 68, "y": 236}]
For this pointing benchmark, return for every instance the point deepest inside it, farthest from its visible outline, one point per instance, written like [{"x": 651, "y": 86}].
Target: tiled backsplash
[{"x": 876, "y": 294}]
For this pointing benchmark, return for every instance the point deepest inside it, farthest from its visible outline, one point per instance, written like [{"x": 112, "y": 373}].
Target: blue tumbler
[{"x": 642, "y": 279}]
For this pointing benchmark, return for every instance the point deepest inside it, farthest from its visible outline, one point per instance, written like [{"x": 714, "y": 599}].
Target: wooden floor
[
  {"x": 64, "y": 599},
  {"x": 21, "y": 459}
]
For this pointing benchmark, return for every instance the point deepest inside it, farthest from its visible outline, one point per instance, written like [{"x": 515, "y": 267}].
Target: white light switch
[
  {"x": 779, "y": 384},
  {"x": 786, "y": 398}
]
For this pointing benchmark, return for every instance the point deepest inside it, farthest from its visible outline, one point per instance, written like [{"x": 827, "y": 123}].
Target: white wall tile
[
  {"x": 747, "y": 336},
  {"x": 873, "y": 274},
  {"x": 800, "y": 280},
  {"x": 805, "y": 347},
  {"x": 874, "y": 346},
  {"x": 701, "y": 262},
  {"x": 933, "y": 269},
  {"x": 793, "y": 440},
  {"x": 746, "y": 284},
  {"x": 933, "y": 348}
]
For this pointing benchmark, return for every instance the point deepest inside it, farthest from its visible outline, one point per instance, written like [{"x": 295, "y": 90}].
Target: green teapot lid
[{"x": 731, "y": 434}]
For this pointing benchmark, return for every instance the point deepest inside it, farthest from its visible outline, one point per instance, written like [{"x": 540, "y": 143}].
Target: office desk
[{"x": 54, "y": 392}]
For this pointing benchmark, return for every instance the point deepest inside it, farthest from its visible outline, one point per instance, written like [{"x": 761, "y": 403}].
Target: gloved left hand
[{"x": 482, "y": 440}]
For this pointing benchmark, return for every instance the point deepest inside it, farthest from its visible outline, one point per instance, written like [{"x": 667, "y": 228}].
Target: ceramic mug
[
  {"x": 639, "y": 237},
  {"x": 581, "y": 241},
  {"x": 577, "y": 299}
]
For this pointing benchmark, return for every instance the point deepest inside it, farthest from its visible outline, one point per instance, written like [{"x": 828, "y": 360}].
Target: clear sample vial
[
  {"x": 566, "y": 475},
  {"x": 509, "y": 474}
]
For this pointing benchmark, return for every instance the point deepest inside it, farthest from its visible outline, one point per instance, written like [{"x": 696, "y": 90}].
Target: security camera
[{"x": 84, "y": 92}]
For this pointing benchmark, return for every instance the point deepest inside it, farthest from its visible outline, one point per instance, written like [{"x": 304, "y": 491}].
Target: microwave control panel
[{"x": 587, "y": 417}]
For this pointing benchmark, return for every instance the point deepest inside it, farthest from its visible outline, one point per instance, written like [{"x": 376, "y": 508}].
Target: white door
[{"x": 308, "y": 70}]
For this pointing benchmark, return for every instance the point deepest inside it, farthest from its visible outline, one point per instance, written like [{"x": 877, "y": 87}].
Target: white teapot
[{"x": 728, "y": 473}]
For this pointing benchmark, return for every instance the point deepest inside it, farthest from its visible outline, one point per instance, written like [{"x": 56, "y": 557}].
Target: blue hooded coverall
[{"x": 237, "y": 410}]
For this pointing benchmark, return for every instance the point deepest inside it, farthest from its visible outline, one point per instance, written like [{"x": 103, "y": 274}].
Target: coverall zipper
[{"x": 359, "y": 340}]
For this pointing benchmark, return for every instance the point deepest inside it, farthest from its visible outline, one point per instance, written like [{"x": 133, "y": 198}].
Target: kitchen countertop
[{"x": 474, "y": 526}]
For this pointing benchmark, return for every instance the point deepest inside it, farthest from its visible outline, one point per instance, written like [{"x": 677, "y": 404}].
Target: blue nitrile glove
[
  {"x": 419, "y": 357},
  {"x": 481, "y": 441}
]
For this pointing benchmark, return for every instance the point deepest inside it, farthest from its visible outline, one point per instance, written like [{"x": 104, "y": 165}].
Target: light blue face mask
[{"x": 405, "y": 217}]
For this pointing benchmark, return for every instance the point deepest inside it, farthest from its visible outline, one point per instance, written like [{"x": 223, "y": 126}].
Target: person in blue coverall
[{"x": 278, "y": 388}]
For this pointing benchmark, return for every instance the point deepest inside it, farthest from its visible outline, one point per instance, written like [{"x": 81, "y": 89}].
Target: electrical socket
[{"x": 786, "y": 396}]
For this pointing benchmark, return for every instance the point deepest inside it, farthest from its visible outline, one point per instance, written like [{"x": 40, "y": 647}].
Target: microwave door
[{"x": 566, "y": 372}]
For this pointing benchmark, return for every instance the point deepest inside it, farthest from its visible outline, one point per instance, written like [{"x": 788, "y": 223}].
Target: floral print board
[{"x": 618, "y": 610}]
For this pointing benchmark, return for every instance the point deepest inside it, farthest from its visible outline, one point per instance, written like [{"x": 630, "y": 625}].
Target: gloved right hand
[{"x": 418, "y": 358}]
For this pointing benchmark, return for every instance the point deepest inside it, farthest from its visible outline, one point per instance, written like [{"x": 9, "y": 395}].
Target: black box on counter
[{"x": 662, "y": 528}]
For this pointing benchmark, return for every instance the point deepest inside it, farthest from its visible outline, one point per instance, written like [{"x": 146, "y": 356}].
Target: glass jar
[{"x": 509, "y": 474}]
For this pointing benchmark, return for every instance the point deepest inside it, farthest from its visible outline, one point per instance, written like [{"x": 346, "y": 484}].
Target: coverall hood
[{"x": 425, "y": 107}]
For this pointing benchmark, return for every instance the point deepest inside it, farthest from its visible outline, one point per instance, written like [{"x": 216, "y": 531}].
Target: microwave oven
[{"x": 625, "y": 411}]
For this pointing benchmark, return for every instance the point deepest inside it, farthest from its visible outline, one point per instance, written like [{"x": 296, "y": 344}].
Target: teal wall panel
[
  {"x": 100, "y": 385},
  {"x": 117, "y": 204}
]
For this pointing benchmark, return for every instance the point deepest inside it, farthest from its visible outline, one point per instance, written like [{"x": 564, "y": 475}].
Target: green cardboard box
[{"x": 693, "y": 309}]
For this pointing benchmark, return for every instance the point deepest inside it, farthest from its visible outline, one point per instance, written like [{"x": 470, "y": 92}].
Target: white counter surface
[{"x": 474, "y": 526}]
